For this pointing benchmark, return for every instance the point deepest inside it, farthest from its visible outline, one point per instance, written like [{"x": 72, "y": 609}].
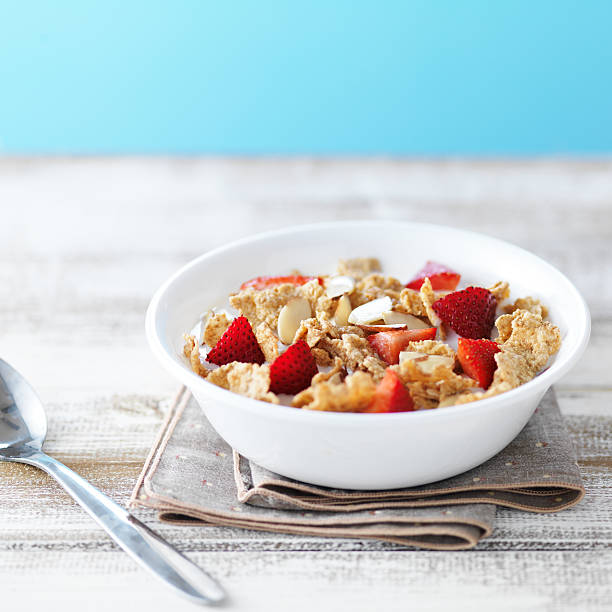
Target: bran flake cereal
[
  {"x": 268, "y": 341},
  {"x": 411, "y": 302},
  {"x": 247, "y": 379},
  {"x": 191, "y": 350},
  {"x": 358, "y": 267},
  {"x": 322, "y": 357},
  {"x": 215, "y": 327},
  {"x": 528, "y": 303},
  {"x": 428, "y": 297},
  {"x": 354, "y": 394},
  {"x": 352, "y": 367},
  {"x": 335, "y": 375},
  {"x": 375, "y": 286},
  {"x": 500, "y": 291},
  {"x": 528, "y": 334}
]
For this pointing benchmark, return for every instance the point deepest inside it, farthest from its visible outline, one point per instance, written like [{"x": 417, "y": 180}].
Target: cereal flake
[
  {"x": 354, "y": 394},
  {"x": 356, "y": 354},
  {"x": 216, "y": 325},
  {"x": 529, "y": 335},
  {"x": 321, "y": 356},
  {"x": 428, "y": 297},
  {"x": 268, "y": 341},
  {"x": 358, "y": 267},
  {"x": 191, "y": 350},
  {"x": 375, "y": 286},
  {"x": 313, "y": 330},
  {"x": 335, "y": 375},
  {"x": 411, "y": 302},
  {"x": 325, "y": 306},
  {"x": 529, "y": 303},
  {"x": 249, "y": 379},
  {"x": 430, "y": 386},
  {"x": 500, "y": 291}
]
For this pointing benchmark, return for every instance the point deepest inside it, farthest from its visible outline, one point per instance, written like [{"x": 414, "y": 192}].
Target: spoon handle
[{"x": 140, "y": 542}]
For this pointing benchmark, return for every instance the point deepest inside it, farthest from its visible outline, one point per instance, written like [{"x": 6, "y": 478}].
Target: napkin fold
[{"x": 193, "y": 477}]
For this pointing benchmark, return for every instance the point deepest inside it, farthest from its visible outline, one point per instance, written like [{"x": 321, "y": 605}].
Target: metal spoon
[{"x": 23, "y": 427}]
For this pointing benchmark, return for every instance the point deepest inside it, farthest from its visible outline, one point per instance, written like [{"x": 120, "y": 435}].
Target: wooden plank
[{"x": 359, "y": 581}]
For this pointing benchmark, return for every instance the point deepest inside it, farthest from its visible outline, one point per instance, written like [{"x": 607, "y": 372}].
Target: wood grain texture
[
  {"x": 363, "y": 581},
  {"x": 84, "y": 243}
]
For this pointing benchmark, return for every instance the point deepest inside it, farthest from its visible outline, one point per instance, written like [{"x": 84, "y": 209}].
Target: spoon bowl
[{"x": 23, "y": 422}]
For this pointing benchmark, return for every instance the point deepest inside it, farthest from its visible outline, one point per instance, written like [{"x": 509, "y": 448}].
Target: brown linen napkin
[{"x": 193, "y": 476}]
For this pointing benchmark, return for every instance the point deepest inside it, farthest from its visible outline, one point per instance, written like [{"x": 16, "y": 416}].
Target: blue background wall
[{"x": 329, "y": 76}]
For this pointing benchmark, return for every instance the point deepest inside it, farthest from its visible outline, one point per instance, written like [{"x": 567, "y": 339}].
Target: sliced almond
[
  {"x": 410, "y": 321},
  {"x": 382, "y": 328},
  {"x": 370, "y": 312},
  {"x": 343, "y": 310},
  {"x": 338, "y": 285},
  {"x": 426, "y": 363},
  {"x": 291, "y": 315},
  {"x": 406, "y": 355}
]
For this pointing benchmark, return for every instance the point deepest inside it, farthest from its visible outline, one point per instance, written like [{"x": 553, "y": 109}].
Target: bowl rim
[{"x": 190, "y": 379}]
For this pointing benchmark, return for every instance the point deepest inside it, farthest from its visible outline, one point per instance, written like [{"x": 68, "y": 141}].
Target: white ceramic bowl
[{"x": 365, "y": 451}]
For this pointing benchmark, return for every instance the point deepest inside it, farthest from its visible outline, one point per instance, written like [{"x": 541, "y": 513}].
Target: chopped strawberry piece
[
  {"x": 238, "y": 343},
  {"x": 263, "y": 282},
  {"x": 292, "y": 371},
  {"x": 470, "y": 312},
  {"x": 389, "y": 344},
  {"x": 391, "y": 395},
  {"x": 477, "y": 358},
  {"x": 441, "y": 277}
]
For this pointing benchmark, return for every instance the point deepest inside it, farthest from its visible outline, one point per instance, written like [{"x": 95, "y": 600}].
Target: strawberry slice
[
  {"x": 441, "y": 277},
  {"x": 263, "y": 282},
  {"x": 391, "y": 395},
  {"x": 292, "y": 371},
  {"x": 470, "y": 312},
  {"x": 477, "y": 358},
  {"x": 238, "y": 343},
  {"x": 389, "y": 344}
]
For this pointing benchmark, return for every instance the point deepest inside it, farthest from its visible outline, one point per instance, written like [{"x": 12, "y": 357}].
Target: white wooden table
[{"x": 84, "y": 243}]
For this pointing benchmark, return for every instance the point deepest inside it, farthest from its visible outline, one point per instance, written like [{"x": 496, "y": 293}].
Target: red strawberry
[
  {"x": 441, "y": 277},
  {"x": 469, "y": 312},
  {"x": 389, "y": 344},
  {"x": 238, "y": 343},
  {"x": 477, "y": 359},
  {"x": 292, "y": 371},
  {"x": 263, "y": 282},
  {"x": 391, "y": 395}
]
